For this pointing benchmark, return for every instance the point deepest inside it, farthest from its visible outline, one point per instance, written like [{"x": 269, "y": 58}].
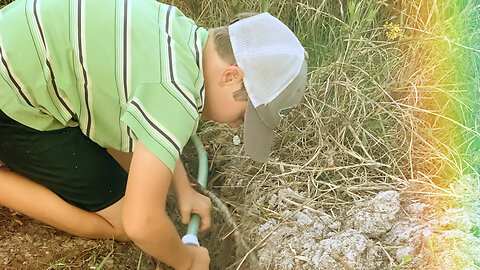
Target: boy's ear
[{"x": 232, "y": 75}]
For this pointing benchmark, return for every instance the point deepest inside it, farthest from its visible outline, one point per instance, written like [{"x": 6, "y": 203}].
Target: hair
[{"x": 223, "y": 46}]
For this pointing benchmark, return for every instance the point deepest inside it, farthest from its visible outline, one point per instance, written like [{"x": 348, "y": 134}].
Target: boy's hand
[
  {"x": 190, "y": 201},
  {"x": 200, "y": 258}
]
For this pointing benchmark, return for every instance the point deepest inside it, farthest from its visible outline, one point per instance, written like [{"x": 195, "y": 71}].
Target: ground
[
  {"x": 28, "y": 244},
  {"x": 378, "y": 233},
  {"x": 377, "y": 168}
]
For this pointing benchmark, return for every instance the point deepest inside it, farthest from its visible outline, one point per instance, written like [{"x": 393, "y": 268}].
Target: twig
[
  {"x": 392, "y": 262},
  {"x": 341, "y": 261},
  {"x": 228, "y": 217},
  {"x": 254, "y": 248}
]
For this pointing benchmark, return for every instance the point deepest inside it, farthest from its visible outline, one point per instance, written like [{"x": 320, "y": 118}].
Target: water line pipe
[{"x": 192, "y": 231}]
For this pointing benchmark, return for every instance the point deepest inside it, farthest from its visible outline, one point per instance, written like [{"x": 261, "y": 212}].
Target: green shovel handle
[{"x": 193, "y": 225}]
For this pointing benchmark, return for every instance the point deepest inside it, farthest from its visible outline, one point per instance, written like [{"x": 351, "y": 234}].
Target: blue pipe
[{"x": 192, "y": 230}]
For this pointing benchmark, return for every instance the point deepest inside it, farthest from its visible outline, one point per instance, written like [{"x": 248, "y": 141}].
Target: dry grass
[{"x": 379, "y": 113}]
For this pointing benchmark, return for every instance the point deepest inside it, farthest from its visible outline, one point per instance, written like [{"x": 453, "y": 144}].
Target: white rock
[{"x": 377, "y": 216}]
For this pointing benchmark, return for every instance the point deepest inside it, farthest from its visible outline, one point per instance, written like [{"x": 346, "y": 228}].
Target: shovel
[{"x": 192, "y": 231}]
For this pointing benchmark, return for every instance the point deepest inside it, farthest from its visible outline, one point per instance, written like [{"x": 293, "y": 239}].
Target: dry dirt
[
  {"x": 28, "y": 244},
  {"x": 375, "y": 234}
]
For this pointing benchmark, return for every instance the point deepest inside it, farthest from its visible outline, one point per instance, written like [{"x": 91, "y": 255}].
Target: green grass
[{"x": 378, "y": 113}]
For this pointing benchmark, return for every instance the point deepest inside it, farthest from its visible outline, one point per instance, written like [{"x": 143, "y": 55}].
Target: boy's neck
[{"x": 211, "y": 62}]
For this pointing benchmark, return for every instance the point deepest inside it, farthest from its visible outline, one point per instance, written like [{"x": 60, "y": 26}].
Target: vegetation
[{"x": 391, "y": 103}]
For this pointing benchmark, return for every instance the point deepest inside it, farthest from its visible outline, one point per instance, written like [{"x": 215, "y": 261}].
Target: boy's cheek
[{"x": 236, "y": 123}]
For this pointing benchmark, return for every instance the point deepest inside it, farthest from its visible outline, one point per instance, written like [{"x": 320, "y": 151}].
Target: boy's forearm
[
  {"x": 180, "y": 180},
  {"x": 166, "y": 245},
  {"x": 144, "y": 216}
]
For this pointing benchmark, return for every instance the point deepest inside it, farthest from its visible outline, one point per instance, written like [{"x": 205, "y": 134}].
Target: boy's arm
[
  {"x": 144, "y": 216},
  {"x": 189, "y": 200},
  {"x": 180, "y": 180}
]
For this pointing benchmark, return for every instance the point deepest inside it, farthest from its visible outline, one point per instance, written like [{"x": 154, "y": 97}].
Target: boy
[{"x": 81, "y": 76}]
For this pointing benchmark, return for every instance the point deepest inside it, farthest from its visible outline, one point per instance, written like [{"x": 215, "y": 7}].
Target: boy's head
[{"x": 258, "y": 76}]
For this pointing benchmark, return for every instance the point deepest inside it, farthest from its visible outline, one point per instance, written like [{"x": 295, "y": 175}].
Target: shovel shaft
[{"x": 193, "y": 225}]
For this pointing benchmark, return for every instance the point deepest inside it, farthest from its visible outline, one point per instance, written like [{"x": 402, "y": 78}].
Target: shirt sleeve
[{"x": 161, "y": 120}]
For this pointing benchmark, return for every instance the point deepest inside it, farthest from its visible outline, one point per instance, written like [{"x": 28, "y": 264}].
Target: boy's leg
[
  {"x": 61, "y": 178},
  {"x": 40, "y": 203},
  {"x": 122, "y": 158}
]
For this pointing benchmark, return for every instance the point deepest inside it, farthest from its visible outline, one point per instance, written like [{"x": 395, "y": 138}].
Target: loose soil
[
  {"x": 28, "y": 244},
  {"x": 378, "y": 233}
]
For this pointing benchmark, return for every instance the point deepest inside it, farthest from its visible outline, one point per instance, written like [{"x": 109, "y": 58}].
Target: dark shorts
[{"x": 65, "y": 161}]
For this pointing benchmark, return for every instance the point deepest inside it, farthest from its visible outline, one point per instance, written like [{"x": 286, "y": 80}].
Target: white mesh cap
[
  {"x": 274, "y": 65},
  {"x": 268, "y": 53}
]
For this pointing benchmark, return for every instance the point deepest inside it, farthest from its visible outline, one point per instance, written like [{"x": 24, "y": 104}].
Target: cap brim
[{"x": 257, "y": 136}]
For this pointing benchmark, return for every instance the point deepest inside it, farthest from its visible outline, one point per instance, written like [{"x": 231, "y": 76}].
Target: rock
[
  {"x": 417, "y": 209},
  {"x": 303, "y": 218},
  {"x": 377, "y": 216},
  {"x": 349, "y": 247},
  {"x": 404, "y": 251},
  {"x": 267, "y": 226},
  {"x": 303, "y": 240}
]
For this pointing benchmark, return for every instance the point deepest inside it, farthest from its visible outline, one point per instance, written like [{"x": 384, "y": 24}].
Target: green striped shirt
[{"x": 121, "y": 70}]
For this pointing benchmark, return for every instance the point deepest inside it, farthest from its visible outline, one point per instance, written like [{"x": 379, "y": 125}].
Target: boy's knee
[
  {"x": 93, "y": 232},
  {"x": 120, "y": 235}
]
